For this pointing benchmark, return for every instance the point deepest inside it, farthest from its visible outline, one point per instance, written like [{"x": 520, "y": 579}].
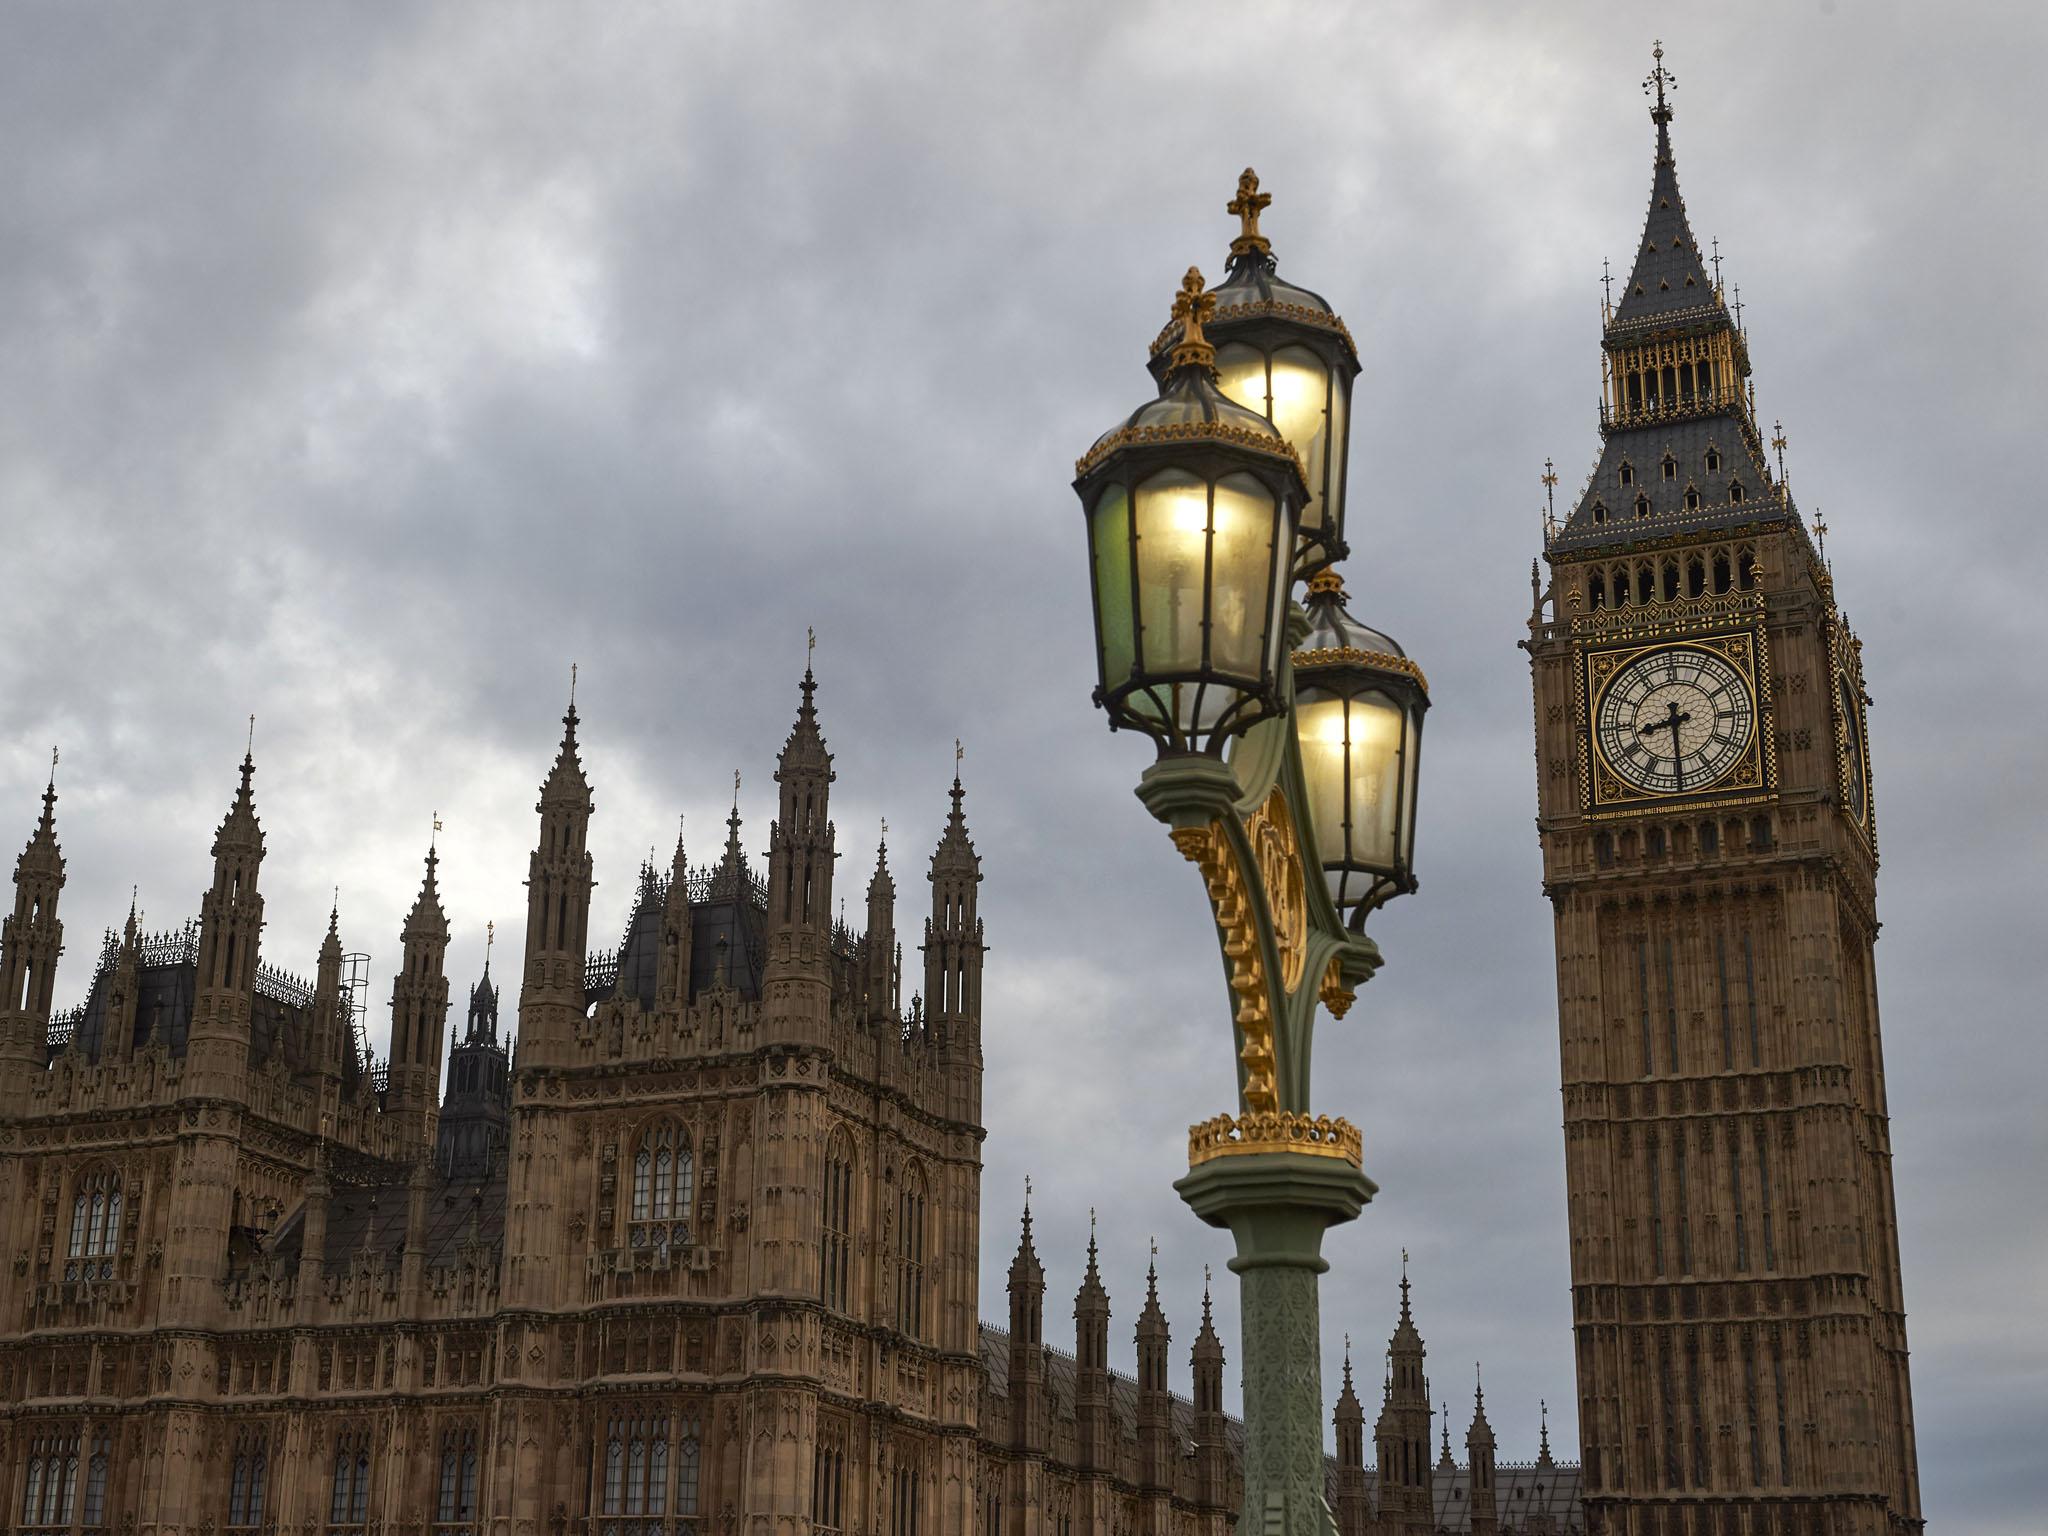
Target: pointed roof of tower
[
  {"x": 732, "y": 865},
  {"x": 1480, "y": 1430},
  {"x": 955, "y": 853},
  {"x": 1443, "y": 1459},
  {"x": 679, "y": 865},
  {"x": 1152, "y": 1320},
  {"x": 565, "y": 781},
  {"x": 1668, "y": 275},
  {"x": 1093, "y": 1294},
  {"x": 426, "y": 908},
  {"x": 1347, "y": 1397},
  {"x": 1543, "y": 1453},
  {"x": 42, "y": 850},
  {"x": 805, "y": 750},
  {"x": 239, "y": 828},
  {"x": 1025, "y": 1270},
  {"x": 882, "y": 882},
  {"x": 1208, "y": 1346},
  {"x": 1407, "y": 1338}
]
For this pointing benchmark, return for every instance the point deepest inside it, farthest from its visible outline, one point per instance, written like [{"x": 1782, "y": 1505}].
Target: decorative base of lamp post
[{"x": 1277, "y": 1205}]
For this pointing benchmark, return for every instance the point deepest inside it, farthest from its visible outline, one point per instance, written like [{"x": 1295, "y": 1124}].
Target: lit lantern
[
  {"x": 1282, "y": 351},
  {"x": 1193, "y": 505},
  {"x": 1358, "y": 707}
]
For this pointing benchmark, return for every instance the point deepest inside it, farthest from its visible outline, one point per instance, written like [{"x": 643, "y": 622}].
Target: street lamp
[{"x": 1296, "y": 801}]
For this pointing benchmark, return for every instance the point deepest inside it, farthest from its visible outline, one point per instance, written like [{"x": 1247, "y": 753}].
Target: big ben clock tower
[{"x": 1710, "y": 853}]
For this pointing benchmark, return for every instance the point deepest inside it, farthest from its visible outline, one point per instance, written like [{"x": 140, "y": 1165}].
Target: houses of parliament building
[{"x": 697, "y": 1249}]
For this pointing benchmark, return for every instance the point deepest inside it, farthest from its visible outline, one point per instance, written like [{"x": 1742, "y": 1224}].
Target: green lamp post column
[{"x": 1199, "y": 517}]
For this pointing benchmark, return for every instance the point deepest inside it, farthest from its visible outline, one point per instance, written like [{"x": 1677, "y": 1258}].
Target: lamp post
[{"x": 1287, "y": 740}]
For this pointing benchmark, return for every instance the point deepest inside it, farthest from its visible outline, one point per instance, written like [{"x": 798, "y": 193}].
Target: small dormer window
[
  {"x": 1735, "y": 490},
  {"x": 1670, "y": 467},
  {"x": 1628, "y": 473},
  {"x": 1689, "y": 281},
  {"x": 1692, "y": 498},
  {"x": 1713, "y": 461},
  {"x": 1599, "y": 511},
  {"x": 1642, "y": 506}
]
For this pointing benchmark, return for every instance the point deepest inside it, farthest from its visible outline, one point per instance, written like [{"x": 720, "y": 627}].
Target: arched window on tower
[
  {"x": 836, "y": 1256},
  {"x": 1628, "y": 473},
  {"x": 455, "y": 1508},
  {"x": 1723, "y": 579},
  {"x": 348, "y": 1497},
  {"x": 1670, "y": 467},
  {"x": 1646, "y": 583},
  {"x": 635, "y": 1475},
  {"x": 1669, "y": 573},
  {"x": 1745, "y": 569},
  {"x": 248, "y": 1480},
  {"x": 1599, "y": 512},
  {"x": 1692, "y": 498},
  {"x": 663, "y": 1185},
  {"x": 49, "y": 1489},
  {"x": 1713, "y": 461},
  {"x": 910, "y": 1253},
  {"x": 1695, "y": 577},
  {"x": 95, "y": 1226},
  {"x": 1642, "y": 506},
  {"x": 1735, "y": 492},
  {"x": 1596, "y": 590}
]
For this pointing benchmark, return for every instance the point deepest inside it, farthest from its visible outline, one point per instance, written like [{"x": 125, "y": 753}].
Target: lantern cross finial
[
  {"x": 1249, "y": 203},
  {"x": 1194, "y": 308},
  {"x": 1658, "y": 81}
]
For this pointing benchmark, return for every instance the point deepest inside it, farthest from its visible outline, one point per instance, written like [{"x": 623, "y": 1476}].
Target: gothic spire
[
  {"x": 565, "y": 782},
  {"x": 1669, "y": 274},
  {"x": 42, "y": 853},
  {"x": 239, "y": 829},
  {"x": 1543, "y": 1451}
]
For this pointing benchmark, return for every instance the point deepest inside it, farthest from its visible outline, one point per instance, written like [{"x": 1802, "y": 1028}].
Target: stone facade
[
  {"x": 698, "y": 1252},
  {"x": 1734, "y": 1250}
]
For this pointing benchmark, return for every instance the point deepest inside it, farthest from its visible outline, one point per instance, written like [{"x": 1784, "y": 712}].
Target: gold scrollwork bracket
[{"x": 1208, "y": 848}]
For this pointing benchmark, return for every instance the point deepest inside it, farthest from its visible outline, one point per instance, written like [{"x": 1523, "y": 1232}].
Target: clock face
[
  {"x": 1674, "y": 721},
  {"x": 1855, "y": 773}
]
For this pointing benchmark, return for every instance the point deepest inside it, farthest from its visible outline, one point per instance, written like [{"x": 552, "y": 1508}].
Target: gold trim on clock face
[
  {"x": 1674, "y": 721},
  {"x": 1855, "y": 761}
]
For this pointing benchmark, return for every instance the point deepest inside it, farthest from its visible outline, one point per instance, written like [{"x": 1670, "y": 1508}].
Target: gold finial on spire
[
  {"x": 735, "y": 789},
  {"x": 1657, "y": 81},
  {"x": 435, "y": 835},
  {"x": 490, "y": 938},
  {"x": 1820, "y": 531},
  {"x": 1249, "y": 203},
  {"x": 1778, "y": 447},
  {"x": 248, "y": 751},
  {"x": 1194, "y": 308},
  {"x": 810, "y": 646},
  {"x": 572, "y": 685}
]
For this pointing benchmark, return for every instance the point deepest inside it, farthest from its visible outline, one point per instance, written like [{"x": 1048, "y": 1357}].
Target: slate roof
[
  {"x": 1669, "y": 275},
  {"x": 1687, "y": 440}
]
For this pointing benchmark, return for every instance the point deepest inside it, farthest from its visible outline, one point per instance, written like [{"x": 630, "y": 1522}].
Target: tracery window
[
  {"x": 95, "y": 1227},
  {"x": 49, "y": 1489},
  {"x": 348, "y": 1501},
  {"x": 95, "y": 1512},
  {"x": 638, "y": 1479},
  {"x": 837, "y": 1257},
  {"x": 907, "y": 1486},
  {"x": 828, "y": 1481},
  {"x": 910, "y": 1250},
  {"x": 248, "y": 1479},
  {"x": 455, "y": 1504},
  {"x": 664, "y": 1181}
]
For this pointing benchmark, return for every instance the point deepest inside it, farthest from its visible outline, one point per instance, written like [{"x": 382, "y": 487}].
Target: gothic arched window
[
  {"x": 457, "y": 1499},
  {"x": 636, "y": 1468},
  {"x": 910, "y": 1251},
  {"x": 1642, "y": 506},
  {"x": 348, "y": 1501},
  {"x": 1628, "y": 473},
  {"x": 1735, "y": 490},
  {"x": 1713, "y": 461},
  {"x": 1692, "y": 498},
  {"x": 247, "y": 1480},
  {"x": 49, "y": 1487},
  {"x": 95, "y": 1227},
  {"x": 836, "y": 1255},
  {"x": 664, "y": 1181},
  {"x": 689, "y": 1463}
]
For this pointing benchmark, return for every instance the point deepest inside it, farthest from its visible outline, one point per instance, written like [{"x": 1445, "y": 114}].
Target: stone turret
[
  {"x": 953, "y": 950},
  {"x": 798, "y": 1001},
  {"x": 471, "y": 1138},
  {"x": 1353, "y": 1513},
  {"x": 558, "y": 885},
  {"x": 1212, "y": 1450},
  {"x": 230, "y": 927},
  {"x": 1155, "y": 1405},
  {"x": 1027, "y": 1345},
  {"x": 672, "y": 973},
  {"x": 31, "y": 939},
  {"x": 1401, "y": 1436},
  {"x": 419, "y": 1016},
  {"x": 1094, "y": 1423},
  {"x": 1479, "y": 1459},
  {"x": 881, "y": 962}
]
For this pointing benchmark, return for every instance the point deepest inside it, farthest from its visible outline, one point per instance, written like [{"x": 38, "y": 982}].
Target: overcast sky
[{"x": 362, "y": 367}]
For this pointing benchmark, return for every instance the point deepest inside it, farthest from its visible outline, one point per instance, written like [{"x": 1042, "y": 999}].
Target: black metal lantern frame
[{"x": 1189, "y": 680}]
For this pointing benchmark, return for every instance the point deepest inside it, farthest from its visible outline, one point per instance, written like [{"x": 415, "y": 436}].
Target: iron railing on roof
[{"x": 64, "y": 1025}]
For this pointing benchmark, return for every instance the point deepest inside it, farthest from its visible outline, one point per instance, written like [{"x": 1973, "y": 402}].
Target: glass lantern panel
[
  {"x": 1301, "y": 410},
  {"x": 1241, "y": 375},
  {"x": 1241, "y": 583},
  {"x": 1110, "y": 533},
  {"x": 1376, "y": 723},
  {"x": 1172, "y": 522},
  {"x": 1320, "y": 728},
  {"x": 1411, "y": 757},
  {"x": 1331, "y": 514}
]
